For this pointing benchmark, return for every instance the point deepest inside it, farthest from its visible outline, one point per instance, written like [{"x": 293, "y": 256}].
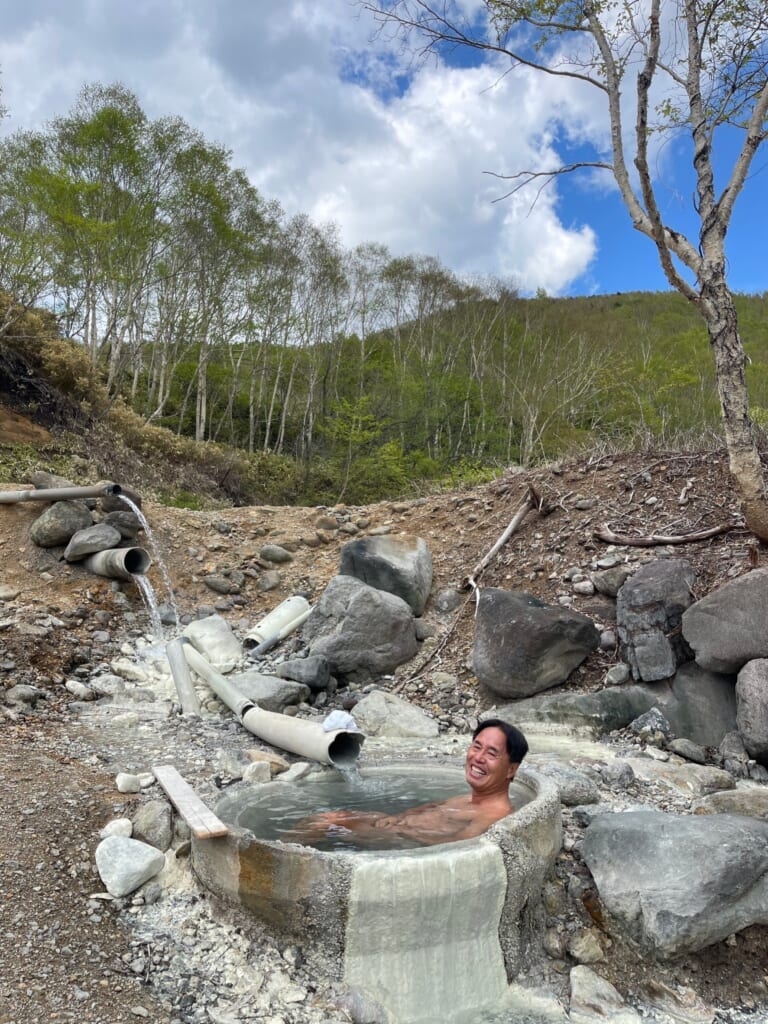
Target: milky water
[
  {"x": 274, "y": 814},
  {"x": 158, "y": 560}
]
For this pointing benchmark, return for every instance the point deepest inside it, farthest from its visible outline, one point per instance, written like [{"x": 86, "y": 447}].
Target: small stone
[{"x": 127, "y": 783}]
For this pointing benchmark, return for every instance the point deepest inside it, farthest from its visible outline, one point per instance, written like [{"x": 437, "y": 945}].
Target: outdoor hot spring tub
[{"x": 431, "y": 932}]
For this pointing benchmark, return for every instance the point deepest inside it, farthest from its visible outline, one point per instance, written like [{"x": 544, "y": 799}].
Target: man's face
[{"x": 488, "y": 768}]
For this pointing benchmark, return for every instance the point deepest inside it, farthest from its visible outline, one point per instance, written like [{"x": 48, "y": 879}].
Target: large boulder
[
  {"x": 726, "y": 628},
  {"x": 98, "y": 537},
  {"x": 580, "y": 714},
  {"x": 701, "y": 705},
  {"x": 649, "y": 607},
  {"x": 675, "y": 884},
  {"x": 523, "y": 646},
  {"x": 401, "y": 565},
  {"x": 363, "y": 632},
  {"x": 752, "y": 708},
  {"x": 59, "y": 522}
]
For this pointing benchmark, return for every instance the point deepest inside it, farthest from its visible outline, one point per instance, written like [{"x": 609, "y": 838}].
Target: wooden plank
[{"x": 201, "y": 819}]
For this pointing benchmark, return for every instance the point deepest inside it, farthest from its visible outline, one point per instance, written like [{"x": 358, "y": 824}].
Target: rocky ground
[{"x": 67, "y": 956}]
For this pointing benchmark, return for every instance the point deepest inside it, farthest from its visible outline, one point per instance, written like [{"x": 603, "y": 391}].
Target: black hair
[{"x": 517, "y": 744}]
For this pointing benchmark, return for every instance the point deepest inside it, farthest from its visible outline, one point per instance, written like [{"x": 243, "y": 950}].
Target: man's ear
[{"x": 513, "y": 770}]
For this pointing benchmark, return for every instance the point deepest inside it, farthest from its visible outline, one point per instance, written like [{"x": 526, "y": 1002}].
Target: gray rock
[
  {"x": 673, "y": 885},
  {"x": 269, "y": 580},
  {"x": 125, "y": 864},
  {"x": 127, "y": 782},
  {"x": 314, "y": 672},
  {"x": 652, "y": 725},
  {"x": 523, "y": 646},
  {"x": 610, "y": 581},
  {"x": 687, "y": 779},
  {"x": 59, "y": 522},
  {"x": 752, "y": 708},
  {"x": 732, "y": 747},
  {"x": 573, "y": 786},
  {"x": 585, "y": 714},
  {"x": 688, "y": 749},
  {"x": 617, "y": 774},
  {"x": 98, "y": 537},
  {"x": 126, "y": 523},
  {"x": 257, "y": 772},
  {"x": 726, "y": 628},
  {"x": 224, "y": 582},
  {"x": 117, "y": 827},
  {"x": 400, "y": 565},
  {"x": 749, "y": 800},
  {"x": 363, "y": 632},
  {"x": 384, "y": 714},
  {"x": 448, "y": 600},
  {"x": 269, "y": 692},
  {"x": 153, "y": 824},
  {"x": 275, "y": 553},
  {"x": 649, "y": 608},
  {"x": 23, "y": 693},
  {"x": 584, "y": 946},
  {"x": 701, "y": 705},
  {"x": 617, "y": 675}
]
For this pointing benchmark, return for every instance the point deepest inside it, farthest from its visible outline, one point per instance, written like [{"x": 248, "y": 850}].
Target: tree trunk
[{"x": 719, "y": 312}]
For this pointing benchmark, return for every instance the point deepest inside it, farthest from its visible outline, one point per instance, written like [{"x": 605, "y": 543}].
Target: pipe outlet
[{"x": 119, "y": 563}]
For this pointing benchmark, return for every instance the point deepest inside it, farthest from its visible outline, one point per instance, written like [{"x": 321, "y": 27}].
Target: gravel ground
[{"x": 67, "y": 956}]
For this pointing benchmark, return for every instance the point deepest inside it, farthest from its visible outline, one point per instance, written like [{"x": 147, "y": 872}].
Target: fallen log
[{"x": 650, "y": 540}]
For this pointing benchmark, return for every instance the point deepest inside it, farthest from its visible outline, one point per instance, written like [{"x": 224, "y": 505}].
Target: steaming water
[
  {"x": 274, "y": 815},
  {"x": 160, "y": 566}
]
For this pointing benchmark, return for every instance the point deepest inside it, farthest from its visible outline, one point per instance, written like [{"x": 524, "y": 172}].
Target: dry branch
[
  {"x": 530, "y": 502},
  {"x": 650, "y": 540}
]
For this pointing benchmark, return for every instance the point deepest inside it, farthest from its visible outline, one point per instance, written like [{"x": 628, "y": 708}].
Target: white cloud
[{"x": 406, "y": 170}]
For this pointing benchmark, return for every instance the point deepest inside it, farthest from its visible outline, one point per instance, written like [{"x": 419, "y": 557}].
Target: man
[{"x": 492, "y": 760}]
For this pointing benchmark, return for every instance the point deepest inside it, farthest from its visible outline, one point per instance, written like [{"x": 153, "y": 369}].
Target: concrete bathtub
[{"x": 433, "y": 933}]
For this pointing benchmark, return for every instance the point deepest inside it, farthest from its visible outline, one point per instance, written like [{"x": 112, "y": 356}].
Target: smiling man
[{"x": 494, "y": 755}]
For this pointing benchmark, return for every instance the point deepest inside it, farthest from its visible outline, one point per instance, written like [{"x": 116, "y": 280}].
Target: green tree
[{"x": 705, "y": 65}]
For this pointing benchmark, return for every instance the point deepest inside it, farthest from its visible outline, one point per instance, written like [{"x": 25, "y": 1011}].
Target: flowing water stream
[
  {"x": 147, "y": 592},
  {"x": 145, "y": 587}
]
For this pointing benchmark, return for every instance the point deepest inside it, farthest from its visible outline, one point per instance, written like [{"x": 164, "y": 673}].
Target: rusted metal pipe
[{"x": 60, "y": 493}]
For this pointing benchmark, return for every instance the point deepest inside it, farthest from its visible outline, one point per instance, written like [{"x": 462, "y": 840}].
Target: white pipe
[
  {"x": 119, "y": 563},
  {"x": 190, "y": 704},
  {"x": 307, "y": 739},
  {"x": 60, "y": 493},
  {"x": 281, "y": 634},
  {"x": 289, "y": 614}
]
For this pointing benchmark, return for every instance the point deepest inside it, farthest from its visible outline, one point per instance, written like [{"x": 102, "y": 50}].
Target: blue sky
[{"x": 332, "y": 124}]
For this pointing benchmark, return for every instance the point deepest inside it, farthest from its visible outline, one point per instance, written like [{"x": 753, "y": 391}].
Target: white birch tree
[{"x": 695, "y": 68}]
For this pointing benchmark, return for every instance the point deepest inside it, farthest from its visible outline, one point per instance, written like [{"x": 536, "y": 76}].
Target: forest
[{"x": 199, "y": 305}]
